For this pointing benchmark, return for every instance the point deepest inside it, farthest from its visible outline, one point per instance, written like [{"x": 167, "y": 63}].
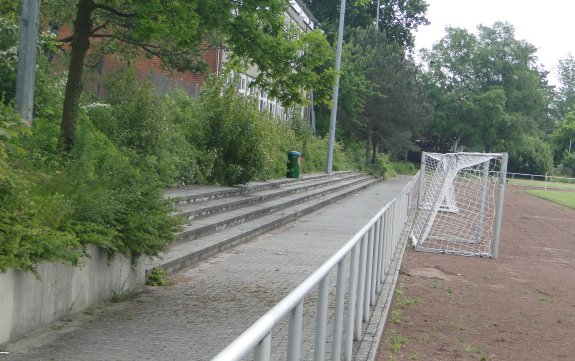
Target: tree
[
  {"x": 487, "y": 88},
  {"x": 382, "y": 93},
  {"x": 565, "y": 101},
  {"x": 564, "y": 136},
  {"x": 529, "y": 155},
  {"x": 399, "y": 19},
  {"x": 177, "y": 32}
]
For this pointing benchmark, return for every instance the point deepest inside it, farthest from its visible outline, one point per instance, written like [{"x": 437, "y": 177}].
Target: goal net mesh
[{"x": 457, "y": 203}]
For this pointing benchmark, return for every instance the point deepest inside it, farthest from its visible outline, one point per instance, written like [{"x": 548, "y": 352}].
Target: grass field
[
  {"x": 566, "y": 199},
  {"x": 541, "y": 184}
]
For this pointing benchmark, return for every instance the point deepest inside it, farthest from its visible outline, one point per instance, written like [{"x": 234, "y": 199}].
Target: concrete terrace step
[
  {"x": 186, "y": 254},
  {"x": 195, "y": 194},
  {"x": 204, "y": 226},
  {"x": 216, "y": 206}
]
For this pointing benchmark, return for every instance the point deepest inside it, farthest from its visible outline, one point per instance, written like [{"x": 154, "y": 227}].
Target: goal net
[{"x": 460, "y": 203}]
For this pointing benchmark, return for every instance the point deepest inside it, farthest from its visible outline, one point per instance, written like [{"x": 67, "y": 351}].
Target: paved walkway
[{"x": 211, "y": 304}]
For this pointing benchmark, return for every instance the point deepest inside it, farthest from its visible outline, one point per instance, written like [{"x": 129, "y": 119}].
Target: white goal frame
[{"x": 460, "y": 203}]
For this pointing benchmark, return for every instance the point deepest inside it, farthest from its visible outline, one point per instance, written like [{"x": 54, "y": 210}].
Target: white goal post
[{"x": 460, "y": 203}]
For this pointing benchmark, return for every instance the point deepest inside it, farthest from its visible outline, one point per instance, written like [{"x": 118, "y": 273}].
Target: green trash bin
[{"x": 293, "y": 164}]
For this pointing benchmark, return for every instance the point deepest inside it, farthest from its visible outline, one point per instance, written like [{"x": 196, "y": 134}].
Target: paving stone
[{"x": 211, "y": 304}]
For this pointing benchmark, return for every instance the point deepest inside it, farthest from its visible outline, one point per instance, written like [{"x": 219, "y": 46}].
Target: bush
[
  {"x": 51, "y": 206},
  {"x": 382, "y": 166},
  {"x": 406, "y": 168},
  {"x": 108, "y": 191},
  {"x": 32, "y": 228},
  {"x": 529, "y": 155},
  {"x": 569, "y": 161}
]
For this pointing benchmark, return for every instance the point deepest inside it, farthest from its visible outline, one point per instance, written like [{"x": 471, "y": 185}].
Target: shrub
[
  {"x": 406, "y": 168},
  {"x": 33, "y": 228},
  {"x": 382, "y": 166},
  {"x": 569, "y": 161},
  {"x": 240, "y": 139},
  {"x": 529, "y": 155}
]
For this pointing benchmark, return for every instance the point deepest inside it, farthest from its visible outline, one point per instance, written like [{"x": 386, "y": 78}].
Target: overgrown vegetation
[
  {"x": 158, "y": 277},
  {"x": 129, "y": 146}
]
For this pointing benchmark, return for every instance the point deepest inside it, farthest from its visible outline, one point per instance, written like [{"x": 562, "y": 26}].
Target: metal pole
[
  {"x": 332, "y": 120},
  {"x": 421, "y": 182},
  {"x": 369, "y": 269},
  {"x": 360, "y": 288},
  {"x": 321, "y": 320},
  {"x": 377, "y": 17},
  {"x": 339, "y": 303},
  {"x": 374, "y": 284},
  {"x": 27, "y": 49},
  {"x": 352, "y": 294},
  {"x": 499, "y": 209},
  {"x": 379, "y": 239},
  {"x": 262, "y": 351},
  {"x": 294, "y": 332},
  {"x": 480, "y": 225},
  {"x": 312, "y": 110}
]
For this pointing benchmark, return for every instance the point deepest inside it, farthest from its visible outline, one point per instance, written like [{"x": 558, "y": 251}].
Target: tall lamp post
[
  {"x": 26, "y": 72},
  {"x": 335, "y": 96}
]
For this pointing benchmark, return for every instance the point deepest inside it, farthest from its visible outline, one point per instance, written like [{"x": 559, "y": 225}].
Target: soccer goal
[{"x": 460, "y": 203}]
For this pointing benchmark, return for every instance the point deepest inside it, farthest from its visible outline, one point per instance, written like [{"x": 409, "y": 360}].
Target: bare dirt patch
[{"x": 518, "y": 307}]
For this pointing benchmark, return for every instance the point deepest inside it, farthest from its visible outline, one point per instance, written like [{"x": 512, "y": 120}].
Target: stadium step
[{"x": 221, "y": 217}]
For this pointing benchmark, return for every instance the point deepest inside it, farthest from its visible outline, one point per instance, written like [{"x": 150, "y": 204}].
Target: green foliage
[
  {"x": 486, "y": 88},
  {"x": 136, "y": 118},
  {"x": 177, "y": 32},
  {"x": 158, "y": 277},
  {"x": 565, "y": 98},
  {"x": 564, "y": 135},
  {"x": 382, "y": 166},
  {"x": 52, "y": 206},
  {"x": 405, "y": 168},
  {"x": 8, "y": 57},
  {"x": 32, "y": 228},
  {"x": 569, "y": 161},
  {"x": 399, "y": 19},
  {"x": 529, "y": 155},
  {"x": 108, "y": 191},
  {"x": 237, "y": 135},
  {"x": 382, "y": 98}
]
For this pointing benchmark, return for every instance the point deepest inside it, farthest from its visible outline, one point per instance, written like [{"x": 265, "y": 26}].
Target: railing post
[
  {"x": 369, "y": 269},
  {"x": 352, "y": 292},
  {"x": 374, "y": 278},
  {"x": 380, "y": 253},
  {"x": 338, "y": 321},
  {"x": 294, "y": 333},
  {"x": 360, "y": 288},
  {"x": 386, "y": 241},
  {"x": 262, "y": 352},
  {"x": 321, "y": 320}
]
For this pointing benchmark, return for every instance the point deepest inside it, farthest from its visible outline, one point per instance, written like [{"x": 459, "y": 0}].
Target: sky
[{"x": 547, "y": 24}]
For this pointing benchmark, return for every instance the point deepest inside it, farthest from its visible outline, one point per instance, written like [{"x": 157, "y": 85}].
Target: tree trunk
[
  {"x": 80, "y": 46},
  {"x": 369, "y": 145},
  {"x": 373, "y": 150},
  {"x": 455, "y": 144}
]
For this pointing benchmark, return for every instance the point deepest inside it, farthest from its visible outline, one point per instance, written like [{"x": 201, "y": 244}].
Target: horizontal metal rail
[
  {"x": 540, "y": 177},
  {"x": 371, "y": 252}
]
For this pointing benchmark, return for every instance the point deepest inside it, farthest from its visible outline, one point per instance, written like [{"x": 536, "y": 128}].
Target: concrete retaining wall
[{"x": 28, "y": 302}]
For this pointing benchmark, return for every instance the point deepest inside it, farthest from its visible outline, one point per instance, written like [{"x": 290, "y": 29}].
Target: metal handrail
[{"x": 363, "y": 281}]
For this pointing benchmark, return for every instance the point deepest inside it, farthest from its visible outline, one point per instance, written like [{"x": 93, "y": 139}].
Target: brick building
[{"x": 165, "y": 80}]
